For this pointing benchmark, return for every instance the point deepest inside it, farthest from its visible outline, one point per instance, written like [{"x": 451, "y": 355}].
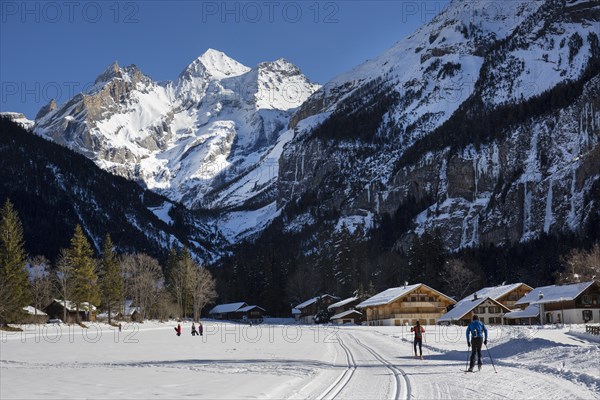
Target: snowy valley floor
[{"x": 289, "y": 361}]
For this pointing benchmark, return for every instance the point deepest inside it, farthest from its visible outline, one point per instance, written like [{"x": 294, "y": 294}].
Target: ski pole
[{"x": 491, "y": 359}]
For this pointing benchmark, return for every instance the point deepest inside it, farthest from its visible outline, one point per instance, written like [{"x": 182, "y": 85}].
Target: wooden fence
[{"x": 594, "y": 330}]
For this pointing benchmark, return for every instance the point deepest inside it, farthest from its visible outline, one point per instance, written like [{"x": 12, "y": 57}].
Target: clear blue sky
[{"x": 53, "y": 49}]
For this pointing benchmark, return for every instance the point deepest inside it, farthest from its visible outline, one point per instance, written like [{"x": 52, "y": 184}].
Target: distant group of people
[
  {"x": 477, "y": 336},
  {"x": 195, "y": 332}
]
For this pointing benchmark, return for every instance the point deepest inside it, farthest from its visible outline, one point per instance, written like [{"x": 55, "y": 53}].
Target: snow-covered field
[{"x": 290, "y": 361}]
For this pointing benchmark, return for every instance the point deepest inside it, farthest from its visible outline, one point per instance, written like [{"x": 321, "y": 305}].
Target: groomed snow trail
[{"x": 293, "y": 362}]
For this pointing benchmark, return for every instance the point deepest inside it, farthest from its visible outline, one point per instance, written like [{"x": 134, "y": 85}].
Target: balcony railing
[{"x": 422, "y": 304}]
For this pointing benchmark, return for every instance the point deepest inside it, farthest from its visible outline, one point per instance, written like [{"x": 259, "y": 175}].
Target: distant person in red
[
  {"x": 178, "y": 329},
  {"x": 418, "y": 330}
]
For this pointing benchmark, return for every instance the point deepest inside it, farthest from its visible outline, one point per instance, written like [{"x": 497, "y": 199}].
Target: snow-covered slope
[
  {"x": 489, "y": 114},
  {"x": 18, "y": 118},
  {"x": 189, "y": 138}
]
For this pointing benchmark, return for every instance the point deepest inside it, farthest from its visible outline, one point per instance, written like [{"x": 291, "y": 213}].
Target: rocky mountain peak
[
  {"x": 51, "y": 106},
  {"x": 112, "y": 71}
]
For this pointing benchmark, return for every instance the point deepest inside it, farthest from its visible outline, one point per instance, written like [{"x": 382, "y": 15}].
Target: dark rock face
[{"x": 530, "y": 171}]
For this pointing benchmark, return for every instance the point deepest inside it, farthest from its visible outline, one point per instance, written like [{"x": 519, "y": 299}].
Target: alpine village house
[
  {"x": 489, "y": 303},
  {"x": 576, "y": 303},
  {"x": 406, "y": 305}
]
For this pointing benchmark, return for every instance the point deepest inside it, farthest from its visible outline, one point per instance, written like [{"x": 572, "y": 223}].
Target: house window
[
  {"x": 586, "y": 299},
  {"x": 482, "y": 320},
  {"x": 431, "y": 299},
  {"x": 587, "y": 315}
]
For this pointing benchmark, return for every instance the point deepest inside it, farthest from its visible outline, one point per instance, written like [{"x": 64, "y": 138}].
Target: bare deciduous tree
[
  {"x": 581, "y": 266},
  {"x": 457, "y": 278},
  {"x": 202, "y": 289},
  {"x": 144, "y": 280},
  {"x": 62, "y": 277},
  {"x": 39, "y": 278},
  {"x": 302, "y": 285}
]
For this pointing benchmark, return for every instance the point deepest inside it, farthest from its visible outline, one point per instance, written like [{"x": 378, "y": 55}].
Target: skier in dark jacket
[
  {"x": 418, "y": 330},
  {"x": 194, "y": 332},
  {"x": 200, "y": 328},
  {"x": 475, "y": 336}
]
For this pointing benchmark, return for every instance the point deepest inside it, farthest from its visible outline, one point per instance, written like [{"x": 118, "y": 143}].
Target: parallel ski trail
[
  {"x": 402, "y": 388},
  {"x": 340, "y": 384}
]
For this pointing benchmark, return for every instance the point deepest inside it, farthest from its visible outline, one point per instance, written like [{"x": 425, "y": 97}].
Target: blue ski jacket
[{"x": 476, "y": 329}]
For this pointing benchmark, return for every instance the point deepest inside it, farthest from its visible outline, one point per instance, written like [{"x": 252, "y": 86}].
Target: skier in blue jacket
[{"x": 475, "y": 333}]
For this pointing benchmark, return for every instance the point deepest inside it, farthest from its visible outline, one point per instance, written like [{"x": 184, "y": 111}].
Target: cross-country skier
[
  {"x": 178, "y": 330},
  {"x": 418, "y": 330},
  {"x": 200, "y": 328},
  {"x": 475, "y": 331},
  {"x": 194, "y": 332}
]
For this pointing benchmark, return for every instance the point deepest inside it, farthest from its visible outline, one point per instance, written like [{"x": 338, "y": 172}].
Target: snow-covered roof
[
  {"x": 32, "y": 311},
  {"x": 495, "y": 292},
  {"x": 313, "y": 300},
  {"x": 249, "y": 308},
  {"x": 129, "y": 309},
  {"x": 295, "y": 311},
  {"x": 554, "y": 293},
  {"x": 391, "y": 295},
  {"x": 71, "y": 306},
  {"x": 531, "y": 311},
  {"x": 464, "y": 307},
  {"x": 346, "y": 313},
  {"x": 342, "y": 303},
  {"x": 227, "y": 308}
]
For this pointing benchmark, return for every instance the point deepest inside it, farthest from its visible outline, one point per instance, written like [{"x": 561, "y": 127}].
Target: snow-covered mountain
[
  {"x": 18, "y": 118},
  {"x": 489, "y": 114},
  {"x": 209, "y": 139}
]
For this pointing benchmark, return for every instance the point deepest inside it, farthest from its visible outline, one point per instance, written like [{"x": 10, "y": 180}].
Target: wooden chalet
[
  {"x": 344, "y": 312},
  {"x": 489, "y": 303},
  {"x": 405, "y": 306},
  {"x": 34, "y": 316},
  {"x": 58, "y": 308},
  {"x": 305, "y": 312},
  {"x": 252, "y": 314},
  {"x": 238, "y": 312},
  {"x": 576, "y": 303}
]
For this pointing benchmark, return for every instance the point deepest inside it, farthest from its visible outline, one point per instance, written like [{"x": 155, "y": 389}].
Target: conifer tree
[
  {"x": 111, "y": 281},
  {"x": 84, "y": 285},
  {"x": 15, "y": 292}
]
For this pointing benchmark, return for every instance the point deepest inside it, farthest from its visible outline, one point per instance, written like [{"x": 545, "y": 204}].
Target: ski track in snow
[{"x": 348, "y": 362}]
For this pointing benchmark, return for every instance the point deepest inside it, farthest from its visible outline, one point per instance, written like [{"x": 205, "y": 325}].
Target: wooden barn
[
  {"x": 34, "y": 316},
  {"x": 57, "y": 309},
  {"x": 348, "y": 317},
  {"x": 306, "y": 312},
  {"x": 405, "y": 306},
  {"x": 344, "y": 312},
  {"x": 252, "y": 314},
  {"x": 238, "y": 312}
]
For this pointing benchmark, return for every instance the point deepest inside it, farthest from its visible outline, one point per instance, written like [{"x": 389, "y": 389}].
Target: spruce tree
[
  {"x": 84, "y": 285},
  {"x": 111, "y": 281},
  {"x": 15, "y": 292}
]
